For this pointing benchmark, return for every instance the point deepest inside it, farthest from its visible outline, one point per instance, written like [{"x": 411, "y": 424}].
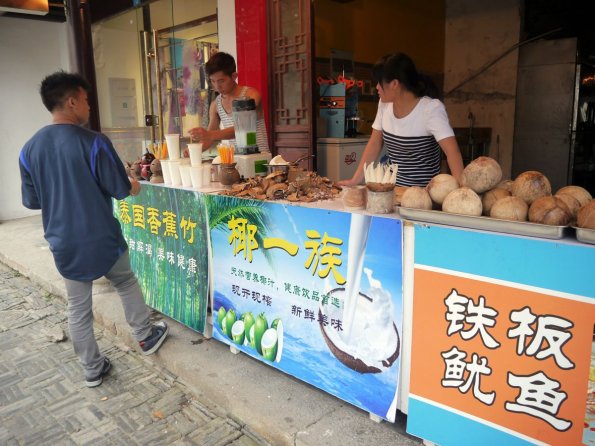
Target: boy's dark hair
[
  {"x": 221, "y": 62},
  {"x": 59, "y": 86}
]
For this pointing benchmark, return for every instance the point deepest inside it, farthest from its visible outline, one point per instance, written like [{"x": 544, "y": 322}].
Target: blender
[{"x": 244, "y": 121}]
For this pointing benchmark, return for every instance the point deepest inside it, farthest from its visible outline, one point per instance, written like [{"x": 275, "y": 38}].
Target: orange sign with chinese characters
[{"x": 514, "y": 356}]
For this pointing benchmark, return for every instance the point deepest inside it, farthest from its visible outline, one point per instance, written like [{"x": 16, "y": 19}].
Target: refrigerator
[
  {"x": 554, "y": 125},
  {"x": 338, "y": 158}
]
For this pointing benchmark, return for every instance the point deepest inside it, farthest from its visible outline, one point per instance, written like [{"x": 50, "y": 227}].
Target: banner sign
[
  {"x": 502, "y": 339},
  {"x": 314, "y": 293},
  {"x": 167, "y": 237}
]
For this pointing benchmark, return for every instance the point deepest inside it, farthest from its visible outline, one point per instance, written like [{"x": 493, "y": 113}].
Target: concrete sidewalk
[
  {"x": 43, "y": 399},
  {"x": 281, "y": 409}
]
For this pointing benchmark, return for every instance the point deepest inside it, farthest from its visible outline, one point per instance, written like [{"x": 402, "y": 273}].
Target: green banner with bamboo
[{"x": 167, "y": 236}]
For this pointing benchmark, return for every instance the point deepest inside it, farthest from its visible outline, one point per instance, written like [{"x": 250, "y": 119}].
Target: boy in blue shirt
[{"x": 71, "y": 174}]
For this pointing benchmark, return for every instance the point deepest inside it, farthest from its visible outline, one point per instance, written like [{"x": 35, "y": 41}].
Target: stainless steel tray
[
  {"x": 485, "y": 223},
  {"x": 585, "y": 235}
]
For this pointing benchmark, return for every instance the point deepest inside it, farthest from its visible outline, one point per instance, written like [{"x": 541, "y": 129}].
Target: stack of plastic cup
[
  {"x": 165, "y": 170},
  {"x": 185, "y": 174},
  {"x": 195, "y": 150},
  {"x": 206, "y": 174},
  {"x": 196, "y": 176},
  {"x": 173, "y": 145},
  {"x": 174, "y": 172}
]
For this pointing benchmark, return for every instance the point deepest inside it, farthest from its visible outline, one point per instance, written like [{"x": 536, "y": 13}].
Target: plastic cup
[
  {"x": 174, "y": 173},
  {"x": 173, "y": 145},
  {"x": 165, "y": 170},
  {"x": 196, "y": 173},
  {"x": 185, "y": 174},
  {"x": 206, "y": 174},
  {"x": 195, "y": 150}
]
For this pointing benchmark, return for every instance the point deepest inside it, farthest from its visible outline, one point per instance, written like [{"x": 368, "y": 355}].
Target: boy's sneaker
[
  {"x": 152, "y": 343},
  {"x": 97, "y": 380}
]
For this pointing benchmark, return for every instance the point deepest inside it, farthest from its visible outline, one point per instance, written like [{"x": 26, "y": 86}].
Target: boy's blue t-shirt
[{"x": 71, "y": 174}]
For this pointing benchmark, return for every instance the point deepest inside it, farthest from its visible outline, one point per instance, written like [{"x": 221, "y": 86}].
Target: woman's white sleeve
[
  {"x": 437, "y": 121},
  {"x": 377, "y": 125}
]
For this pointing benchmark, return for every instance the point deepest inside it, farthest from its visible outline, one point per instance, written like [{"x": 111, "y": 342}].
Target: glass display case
[{"x": 149, "y": 64}]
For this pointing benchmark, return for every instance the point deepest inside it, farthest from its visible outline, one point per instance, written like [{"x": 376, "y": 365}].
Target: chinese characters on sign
[
  {"x": 538, "y": 336},
  {"x": 323, "y": 259},
  {"x": 160, "y": 224}
]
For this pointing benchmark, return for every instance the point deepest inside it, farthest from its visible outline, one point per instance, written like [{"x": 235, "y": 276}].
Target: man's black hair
[
  {"x": 221, "y": 62},
  {"x": 59, "y": 86}
]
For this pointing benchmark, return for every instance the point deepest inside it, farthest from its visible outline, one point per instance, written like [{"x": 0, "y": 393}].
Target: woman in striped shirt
[
  {"x": 412, "y": 125},
  {"x": 221, "y": 69}
]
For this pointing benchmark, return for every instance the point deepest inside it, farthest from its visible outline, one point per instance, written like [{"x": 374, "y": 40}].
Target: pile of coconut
[{"x": 482, "y": 192}]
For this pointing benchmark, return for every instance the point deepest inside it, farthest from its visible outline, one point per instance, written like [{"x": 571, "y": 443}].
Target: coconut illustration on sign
[{"x": 369, "y": 341}]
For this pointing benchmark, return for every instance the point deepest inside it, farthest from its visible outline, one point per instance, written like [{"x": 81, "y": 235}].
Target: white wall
[
  {"x": 226, "y": 22},
  {"x": 29, "y": 50},
  {"x": 477, "y": 32}
]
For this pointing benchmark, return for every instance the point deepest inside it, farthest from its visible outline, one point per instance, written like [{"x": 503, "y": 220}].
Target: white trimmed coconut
[
  {"x": 586, "y": 216},
  {"x": 581, "y": 194},
  {"x": 530, "y": 186},
  {"x": 505, "y": 184},
  {"x": 482, "y": 174},
  {"x": 510, "y": 208},
  {"x": 440, "y": 186},
  {"x": 417, "y": 198},
  {"x": 549, "y": 211},
  {"x": 490, "y": 197},
  {"x": 573, "y": 204},
  {"x": 462, "y": 201},
  {"x": 399, "y": 191}
]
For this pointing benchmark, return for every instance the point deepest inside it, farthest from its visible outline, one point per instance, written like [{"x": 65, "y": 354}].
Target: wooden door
[{"x": 290, "y": 48}]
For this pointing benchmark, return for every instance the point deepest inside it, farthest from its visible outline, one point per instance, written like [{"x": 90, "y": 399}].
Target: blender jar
[{"x": 244, "y": 121}]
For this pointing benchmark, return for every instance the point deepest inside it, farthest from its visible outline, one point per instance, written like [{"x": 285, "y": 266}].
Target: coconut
[
  {"x": 573, "y": 204},
  {"x": 440, "y": 186},
  {"x": 417, "y": 198},
  {"x": 505, "y": 184},
  {"x": 510, "y": 208},
  {"x": 482, "y": 174},
  {"x": 269, "y": 344},
  {"x": 530, "y": 186},
  {"x": 490, "y": 197},
  {"x": 549, "y": 211},
  {"x": 399, "y": 191},
  {"x": 582, "y": 195},
  {"x": 462, "y": 201},
  {"x": 237, "y": 332},
  {"x": 586, "y": 216}
]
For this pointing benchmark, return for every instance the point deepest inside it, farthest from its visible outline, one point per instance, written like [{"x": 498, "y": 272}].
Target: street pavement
[
  {"x": 43, "y": 399},
  {"x": 192, "y": 390}
]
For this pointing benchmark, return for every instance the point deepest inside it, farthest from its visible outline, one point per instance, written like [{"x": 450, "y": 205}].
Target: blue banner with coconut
[{"x": 314, "y": 293}]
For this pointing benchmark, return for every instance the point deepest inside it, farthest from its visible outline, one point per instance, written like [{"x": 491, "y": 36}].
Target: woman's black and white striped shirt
[{"x": 412, "y": 141}]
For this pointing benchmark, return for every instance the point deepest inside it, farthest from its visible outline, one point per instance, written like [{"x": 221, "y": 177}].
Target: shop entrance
[{"x": 149, "y": 64}]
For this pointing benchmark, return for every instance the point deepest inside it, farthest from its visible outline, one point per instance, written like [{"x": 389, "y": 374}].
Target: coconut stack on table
[{"x": 482, "y": 192}]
